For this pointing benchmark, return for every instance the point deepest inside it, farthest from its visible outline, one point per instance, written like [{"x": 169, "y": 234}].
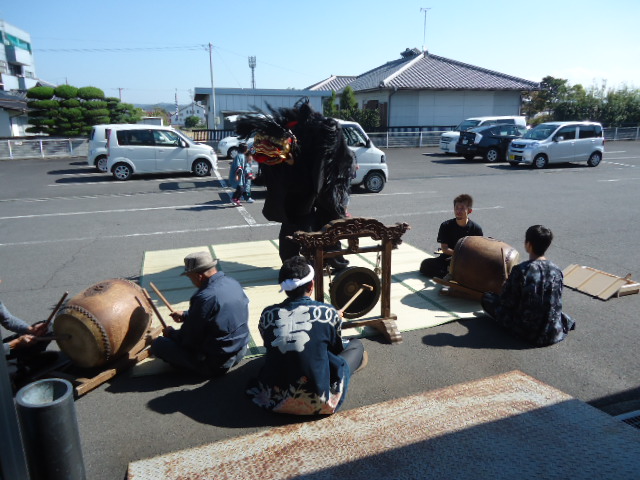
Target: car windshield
[
  {"x": 540, "y": 132},
  {"x": 466, "y": 125}
]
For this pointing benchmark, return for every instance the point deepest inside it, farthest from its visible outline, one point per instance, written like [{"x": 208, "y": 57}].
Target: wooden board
[{"x": 598, "y": 283}]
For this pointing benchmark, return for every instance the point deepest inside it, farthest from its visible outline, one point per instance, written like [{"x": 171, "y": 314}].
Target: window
[
  {"x": 164, "y": 137},
  {"x": 135, "y": 137},
  {"x": 354, "y": 137},
  {"x": 590, "y": 131},
  {"x": 509, "y": 121},
  {"x": 15, "y": 69},
  {"x": 568, "y": 133}
]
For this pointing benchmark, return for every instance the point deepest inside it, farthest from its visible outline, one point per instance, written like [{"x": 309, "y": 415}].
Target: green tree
[
  {"x": 69, "y": 111},
  {"x": 330, "y": 105},
  {"x": 348, "y": 99},
  {"x": 161, "y": 112},
  {"x": 192, "y": 122}
]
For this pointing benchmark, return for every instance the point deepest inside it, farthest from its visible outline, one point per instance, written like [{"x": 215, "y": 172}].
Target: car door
[
  {"x": 562, "y": 149},
  {"x": 137, "y": 146},
  {"x": 357, "y": 143},
  {"x": 171, "y": 154},
  {"x": 586, "y": 142}
]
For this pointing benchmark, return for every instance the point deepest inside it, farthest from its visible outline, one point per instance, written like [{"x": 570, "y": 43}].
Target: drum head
[
  {"x": 87, "y": 345},
  {"x": 347, "y": 283}
]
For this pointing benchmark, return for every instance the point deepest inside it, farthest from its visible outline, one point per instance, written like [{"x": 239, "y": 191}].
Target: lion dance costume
[{"x": 306, "y": 167}]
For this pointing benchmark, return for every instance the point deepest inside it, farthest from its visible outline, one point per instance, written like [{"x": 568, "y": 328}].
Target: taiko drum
[
  {"x": 482, "y": 263},
  {"x": 102, "y": 323}
]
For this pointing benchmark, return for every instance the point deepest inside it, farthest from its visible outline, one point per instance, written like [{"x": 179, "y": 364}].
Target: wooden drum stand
[{"x": 318, "y": 246}]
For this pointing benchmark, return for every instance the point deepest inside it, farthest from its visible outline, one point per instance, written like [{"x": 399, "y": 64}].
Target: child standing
[
  {"x": 237, "y": 178},
  {"x": 248, "y": 177}
]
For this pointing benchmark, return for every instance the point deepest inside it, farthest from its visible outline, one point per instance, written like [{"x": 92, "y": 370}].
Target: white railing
[
  {"x": 44, "y": 147},
  {"x": 78, "y": 147}
]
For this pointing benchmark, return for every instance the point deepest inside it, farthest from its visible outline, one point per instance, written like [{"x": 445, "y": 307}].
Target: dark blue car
[{"x": 489, "y": 142}]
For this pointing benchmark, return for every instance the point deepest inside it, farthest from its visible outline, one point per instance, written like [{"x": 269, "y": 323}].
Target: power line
[{"x": 126, "y": 49}]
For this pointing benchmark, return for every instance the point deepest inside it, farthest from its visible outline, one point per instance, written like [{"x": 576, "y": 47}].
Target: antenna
[
  {"x": 424, "y": 31},
  {"x": 252, "y": 64}
]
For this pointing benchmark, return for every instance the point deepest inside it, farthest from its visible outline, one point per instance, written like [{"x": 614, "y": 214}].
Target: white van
[
  {"x": 152, "y": 149},
  {"x": 448, "y": 140},
  {"x": 373, "y": 171},
  {"x": 558, "y": 142},
  {"x": 97, "y": 155}
]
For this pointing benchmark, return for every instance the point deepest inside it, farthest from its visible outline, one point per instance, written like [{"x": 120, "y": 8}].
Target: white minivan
[
  {"x": 448, "y": 140},
  {"x": 136, "y": 149},
  {"x": 97, "y": 155},
  {"x": 558, "y": 142},
  {"x": 373, "y": 171}
]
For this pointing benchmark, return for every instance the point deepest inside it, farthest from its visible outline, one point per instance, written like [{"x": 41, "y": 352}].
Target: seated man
[
  {"x": 448, "y": 235},
  {"x": 214, "y": 332},
  {"x": 530, "y": 305},
  {"x": 308, "y": 365}
]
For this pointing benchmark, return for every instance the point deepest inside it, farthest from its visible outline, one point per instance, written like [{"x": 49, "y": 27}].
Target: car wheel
[
  {"x": 201, "y": 168},
  {"x": 232, "y": 152},
  {"x": 594, "y": 159},
  {"x": 492, "y": 155},
  {"x": 101, "y": 163},
  {"x": 122, "y": 171},
  {"x": 469, "y": 157},
  {"x": 374, "y": 182},
  {"x": 540, "y": 161}
]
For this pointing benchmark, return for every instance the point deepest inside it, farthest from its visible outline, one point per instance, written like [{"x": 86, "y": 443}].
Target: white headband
[{"x": 293, "y": 283}]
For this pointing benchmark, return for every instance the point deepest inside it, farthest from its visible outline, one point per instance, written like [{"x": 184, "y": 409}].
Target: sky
[{"x": 147, "y": 52}]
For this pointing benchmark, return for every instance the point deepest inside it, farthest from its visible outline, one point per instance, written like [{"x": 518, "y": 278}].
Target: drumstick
[
  {"x": 55, "y": 310},
  {"x": 162, "y": 297},
  {"x": 356, "y": 295},
  {"x": 146, "y": 294}
]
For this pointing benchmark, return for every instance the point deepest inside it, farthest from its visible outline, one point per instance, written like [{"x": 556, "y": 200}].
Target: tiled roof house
[{"x": 422, "y": 89}]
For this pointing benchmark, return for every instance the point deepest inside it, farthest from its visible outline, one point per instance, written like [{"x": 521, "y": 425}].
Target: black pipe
[{"x": 50, "y": 430}]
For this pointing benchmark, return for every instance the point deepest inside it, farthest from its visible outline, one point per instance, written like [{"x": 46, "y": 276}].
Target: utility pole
[
  {"x": 252, "y": 65},
  {"x": 212, "y": 107},
  {"x": 424, "y": 30},
  {"x": 120, "y": 92}
]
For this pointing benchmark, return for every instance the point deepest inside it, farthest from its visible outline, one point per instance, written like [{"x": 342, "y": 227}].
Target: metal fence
[{"x": 79, "y": 147}]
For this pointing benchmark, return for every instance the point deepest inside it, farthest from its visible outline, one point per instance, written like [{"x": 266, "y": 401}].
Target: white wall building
[
  {"x": 17, "y": 68},
  {"x": 194, "y": 109}
]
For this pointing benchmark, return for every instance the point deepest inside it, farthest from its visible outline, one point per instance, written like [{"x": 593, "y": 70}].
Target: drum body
[
  {"x": 102, "y": 323},
  {"x": 482, "y": 263}
]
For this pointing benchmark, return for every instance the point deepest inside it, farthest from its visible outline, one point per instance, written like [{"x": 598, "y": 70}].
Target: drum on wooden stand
[
  {"x": 482, "y": 263},
  {"x": 102, "y": 323}
]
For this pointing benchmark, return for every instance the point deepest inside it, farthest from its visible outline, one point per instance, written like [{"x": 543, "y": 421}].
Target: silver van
[
  {"x": 153, "y": 149},
  {"x": 558, "y": 142}
]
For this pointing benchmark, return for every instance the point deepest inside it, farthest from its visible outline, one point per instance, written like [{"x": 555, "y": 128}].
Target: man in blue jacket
[{"x": 214, "y": 333}]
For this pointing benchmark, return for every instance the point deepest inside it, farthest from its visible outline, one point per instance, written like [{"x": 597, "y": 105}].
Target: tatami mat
[
  {"x": 414, "y": 299},
  {"x": 503, "y": 427}
]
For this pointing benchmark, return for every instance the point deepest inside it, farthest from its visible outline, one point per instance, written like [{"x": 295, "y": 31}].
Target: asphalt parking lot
[{"x": 64, "y": 227}]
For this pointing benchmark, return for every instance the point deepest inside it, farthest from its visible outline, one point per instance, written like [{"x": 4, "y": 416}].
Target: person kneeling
[
  {"x": 308, "y": 366},
  {"x": 214, "y": 333},
  {"x": 530, "y": 305}
]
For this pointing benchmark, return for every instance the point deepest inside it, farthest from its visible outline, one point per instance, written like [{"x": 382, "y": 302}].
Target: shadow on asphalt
[
  {"x": 220, "y": 402},
  {"x": 482, "y": 333}
]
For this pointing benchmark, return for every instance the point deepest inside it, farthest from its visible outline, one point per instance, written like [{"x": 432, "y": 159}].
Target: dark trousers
[
  {"x": 436, "y": 266},
  {"x": 353, "y": 353},
  {"x": 168, "y": 350}
]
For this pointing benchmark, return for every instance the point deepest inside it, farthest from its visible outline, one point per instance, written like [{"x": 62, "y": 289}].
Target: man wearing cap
[
  {"x": 308, "y": 366},
  {"x": 214, "y": 333}
]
